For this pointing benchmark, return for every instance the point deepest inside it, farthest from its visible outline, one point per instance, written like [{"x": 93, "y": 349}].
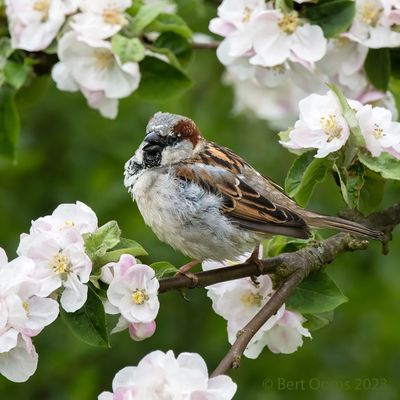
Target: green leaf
[
  {"x": 179, "y": 46},
  {"x": 317, "y": 294},
  {"x": 283, "y": 244},
  {"x": 9, "y": 123},
  {"x": 89, "y": 322},
  {"x": 354, "y": 184},
  {"x": 5, "y": 50},
  {"x": 15, "y": 74},
  {"x": 125, "y": 246},
  {"x": 161, "y": 80},
  {"x": 372, "y": 192},
  {"x": 303, "y": 176},
  {"x": 128, "y": 50},
  {"x": 377, "y": 67},
  {"x": 170, "y": 23},
  {"x": 333, "y": 16},
  {"x": 395, "y": 62},
  {"x": 146, "y": 15},
  {"x": 104, "y": 238},
  {"x": 317, "y": 321},
  {"x": 386, "y": 165},
  {"x": 163, "y": 269}
]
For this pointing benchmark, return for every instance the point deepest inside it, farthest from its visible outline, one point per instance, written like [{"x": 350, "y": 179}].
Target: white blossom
[
  {"x": 96, "y": 71},
  {"x": 321, "y": 125},
  {"x": 278, "y": 36},
  {"x": 240, "y": 300},
  {"x": 34, "y": 24},
  {"x": 380, "y": 132},
  {"x": 160, "y": 376},
  {"x": 133, "y": 291},
  {"x": 20, "y": 363},
  {"x": 59, "y": 262},
  {"x": 375, "y": 24},
  {"x": 100, "y": 19}
]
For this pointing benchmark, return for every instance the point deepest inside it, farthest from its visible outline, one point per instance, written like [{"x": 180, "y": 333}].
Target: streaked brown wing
[{"x": 244, "y": 205}]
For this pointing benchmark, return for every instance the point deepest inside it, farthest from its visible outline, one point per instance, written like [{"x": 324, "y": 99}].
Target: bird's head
[{"x": 169, "y": 139}]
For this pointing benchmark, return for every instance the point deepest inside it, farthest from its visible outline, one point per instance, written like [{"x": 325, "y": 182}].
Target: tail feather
[{"x": 322, "y": 221}]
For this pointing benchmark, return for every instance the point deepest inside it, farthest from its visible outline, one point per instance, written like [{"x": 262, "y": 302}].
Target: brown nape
[{"x": 188, "y": 130}]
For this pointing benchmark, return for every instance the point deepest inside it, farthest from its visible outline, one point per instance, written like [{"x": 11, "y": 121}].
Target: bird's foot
[
  {"x": 184, "y": 270},
  {"x": 255, "y": 259}
]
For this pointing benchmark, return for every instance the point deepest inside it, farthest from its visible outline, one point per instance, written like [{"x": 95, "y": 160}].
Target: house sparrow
[{"x": 206, "y": 201}]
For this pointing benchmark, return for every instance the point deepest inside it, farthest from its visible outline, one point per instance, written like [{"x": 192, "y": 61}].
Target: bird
[{"x": 209, "y": 203}]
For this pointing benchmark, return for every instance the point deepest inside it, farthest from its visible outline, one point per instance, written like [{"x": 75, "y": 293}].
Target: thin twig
[
  {"x": 205, "y": 45},
  {"x": 232, "y": 358}
]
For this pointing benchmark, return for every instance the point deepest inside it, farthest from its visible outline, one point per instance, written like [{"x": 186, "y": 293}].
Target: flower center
[
  {"x": 139, "y": 296},
  {"x": 331, "y": 127},
  {"x": 104, "y": 58},
  {"x": 69, "y": 224},
  {"x": 250, "y": 299},
  {"x": 25, "y": 305},
  {"x": 113, "y": 17},
  {"x": 370, "y": 13},
  {"x": 61, "y": 264},
  {"x": 377, "y": 132},
  {"x": 42, "y": 6},
  {"x": 289, "y": 22},
  {"x": 246, "y": 14}
]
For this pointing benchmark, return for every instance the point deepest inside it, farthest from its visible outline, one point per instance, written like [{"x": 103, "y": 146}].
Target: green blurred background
[{"x": 68, "y": 152}]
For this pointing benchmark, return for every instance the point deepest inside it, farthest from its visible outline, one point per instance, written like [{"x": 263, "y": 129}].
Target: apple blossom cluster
[
  {"x": 161, "y": 375},
  {"x": 132, "y": 293},
  {"x": 53, "y": 264},
  {"x": 323, "y": 126},
  {"x": 83, "y": 30},
  {"x": 239, "y": 301},
  {"x": 275, "y": 57}
]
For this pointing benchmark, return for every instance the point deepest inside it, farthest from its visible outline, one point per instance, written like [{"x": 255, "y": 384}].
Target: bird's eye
[{"x": 171, "y": 140}]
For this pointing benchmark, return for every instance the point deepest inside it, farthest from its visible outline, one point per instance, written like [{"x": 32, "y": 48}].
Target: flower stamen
[
  {"x": 25, "y": 305},
  {"x": 250, "y": 299},
  {"x": 289, "y": 22},
  {"x": 43, "y": 7},
  {"x": 104, "y": 58},
  {"x": 61, "y": 264},
  {"x": 378, "y": 131},
  {"x": 330, "y": 127},
  {"x": 139, "y": 296},
  {"x": 246, "y": 14},
  {"x": 113, "y": 17},
  {"x": 370, "y": 13}
]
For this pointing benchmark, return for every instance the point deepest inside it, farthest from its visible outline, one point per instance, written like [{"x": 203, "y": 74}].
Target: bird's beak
[{"x": 152, "y": 142}]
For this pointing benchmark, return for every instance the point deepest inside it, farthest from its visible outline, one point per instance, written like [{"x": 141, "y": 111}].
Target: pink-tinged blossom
[
  {"x": 160, "y": 376},
  {"x": 60, "y": 262},
  {"x": 321, "y": 125},
  {"x": 19, "y": 363},
  {"x": 240, "y": 300},
  {"x": 380, "y": 132},
  {"x": 138, "y": 331},
  {"x": 375, "y": 24},
  {"x": 133, "y": 291},
  {"x": 34, "y": 24},
  {"x": 22, "y": 315},
  {"x": 100, "y": 19},
  {"x": 78, "y": 217},
  {"x": 278, "y": 36}
]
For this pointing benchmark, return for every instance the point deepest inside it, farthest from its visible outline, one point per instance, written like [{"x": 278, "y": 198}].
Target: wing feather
[{"x": 218, "y": 170}]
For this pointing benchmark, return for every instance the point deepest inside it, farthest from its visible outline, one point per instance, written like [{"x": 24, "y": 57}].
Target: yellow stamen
[
  {"x": 25, "y": 304},
  {"x": 69, "y": 224},
  {"x": 104, "y": 58},
  {"x": 370, "y": 13},
  {"x": 289, "y": 22},
  {"x": 139, "y": 296},
  {"x": 61, "y": 264},
  {"x": 43, "y": 7},
  {"x": 331, "y": 127},
  {"x": 378, "y": 131},
  {"x": 113, "y": 17},
  {"x": 246, "y": 14},
  {"x": 249, "y": 299}
]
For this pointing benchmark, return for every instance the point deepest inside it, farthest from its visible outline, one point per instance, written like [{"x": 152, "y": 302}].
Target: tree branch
[{"x": 292, "y": 268}]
